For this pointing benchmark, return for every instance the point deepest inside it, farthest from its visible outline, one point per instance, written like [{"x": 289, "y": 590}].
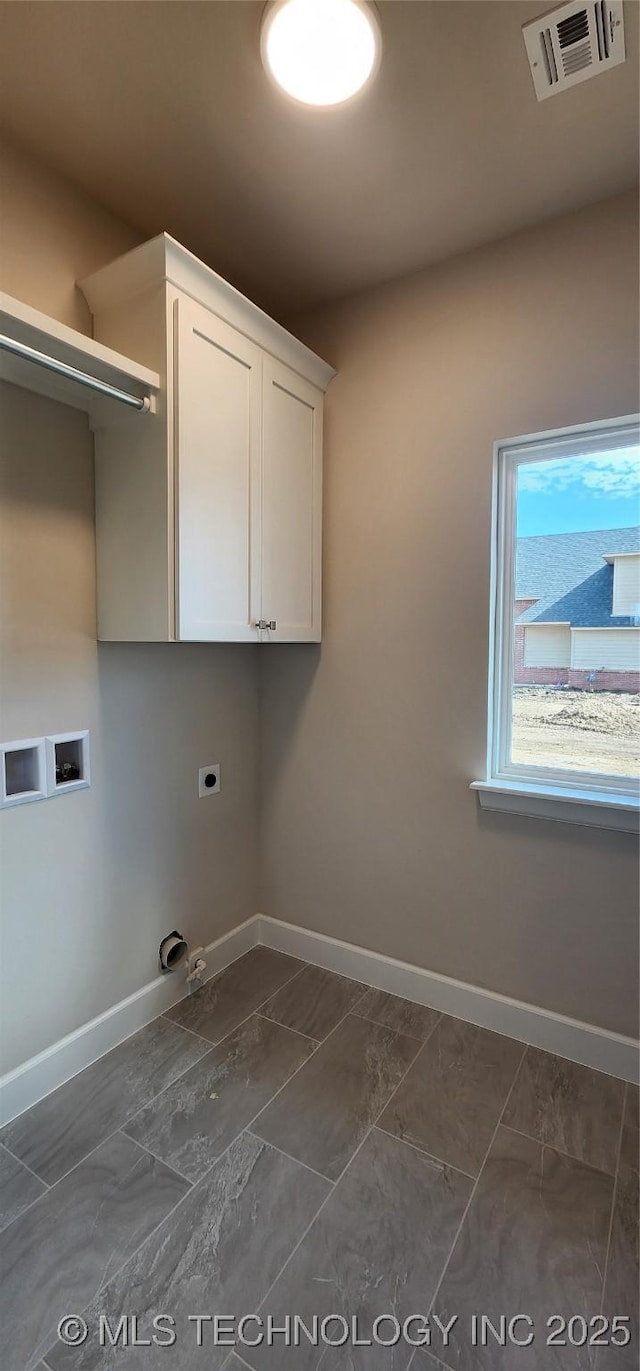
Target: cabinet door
[
  {"x": 217, "y": 427},
  {"x": 291, "y": 506}
]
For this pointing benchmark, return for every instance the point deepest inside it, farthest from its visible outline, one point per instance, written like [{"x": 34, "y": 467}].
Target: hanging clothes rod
[{"x": 41, "y": 359}]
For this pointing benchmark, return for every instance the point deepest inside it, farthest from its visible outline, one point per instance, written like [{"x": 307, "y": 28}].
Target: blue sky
[{"x": 569, "y": 494}]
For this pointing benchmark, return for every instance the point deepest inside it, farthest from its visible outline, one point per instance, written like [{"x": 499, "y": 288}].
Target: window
[{"x": 564, "y": 689}]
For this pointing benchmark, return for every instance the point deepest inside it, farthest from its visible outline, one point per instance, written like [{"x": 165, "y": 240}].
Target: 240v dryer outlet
[{"x": 209, "y": 780}]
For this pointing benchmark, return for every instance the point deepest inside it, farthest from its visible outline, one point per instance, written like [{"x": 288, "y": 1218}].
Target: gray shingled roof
[{"x": 567, "y": 573}]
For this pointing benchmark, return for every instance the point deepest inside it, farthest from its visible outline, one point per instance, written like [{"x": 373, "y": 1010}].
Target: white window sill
[{"x": 591, "y": 807}]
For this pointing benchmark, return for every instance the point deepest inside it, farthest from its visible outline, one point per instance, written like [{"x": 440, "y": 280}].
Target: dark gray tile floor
[
  {"x": 192, "y": 1122},
  {"x": 290, "y": 1144},
  {"x": 534, "y": 1241},
  {"x": 569, "y": 1107},
  {"x": 63, "y": 1250},
  {"x": 416, "y": 1020},
  {"x": 57, "y": 1133},
  {"x": 325, "y": 1111},
  {"x": 314, "y": 1001},
  {"x": 379, "y": 1244},
  {"x": 226, "y": 1000},
  {"x": 19, "y": 1187},
  {"x": 621, "y": 1283},
  {"x": 451, "y": 1100}
]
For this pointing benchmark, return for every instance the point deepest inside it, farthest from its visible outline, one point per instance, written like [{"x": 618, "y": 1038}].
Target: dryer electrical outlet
[{"x": 209, "y": 780}]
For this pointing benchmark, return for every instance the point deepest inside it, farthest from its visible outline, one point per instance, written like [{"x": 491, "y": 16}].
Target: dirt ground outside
[{"x": 576, "y": 729}]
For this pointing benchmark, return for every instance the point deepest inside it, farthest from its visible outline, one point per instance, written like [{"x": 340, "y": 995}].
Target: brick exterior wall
[
  {"x": 628, "y": 681},
  {"x": 521, "y": 605},
  {"x": 542, "y": 675},
  {"x": 605, "y": 680}
]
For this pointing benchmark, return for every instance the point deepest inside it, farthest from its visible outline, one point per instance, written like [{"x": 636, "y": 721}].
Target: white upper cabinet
[
  {"x": 291, "y": 524},
  {"x": 217, "y": 441},
  {"x": 209, "y": 512}
]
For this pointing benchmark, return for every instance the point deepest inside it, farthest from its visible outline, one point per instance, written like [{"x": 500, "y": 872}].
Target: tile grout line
[
  {"x": 374, "y": 1122},
  {"x": 256, "y": 1010},
  {"x": 217, "y": 974},
  {"x": 571, "y": 1156},
  {"x": 257, "y": 1138},
  {"x": 16, "y": 1158},
  {"x": 414, "y": 1359},
  {"x": 279, "y": 1024},
  {"x": 156, "y": 1158},
  {"x": 236, "y": 1354},
  {"x": 26, "y": 1167},
  {"x": 368, "y": 1018},
  {"x": 476, "y": 1182},
  {"x": 234, "y": 961},
  {"x": 396, "y": 1088},
  {"x": 319, "y": 1041},
  {"x": 27, "y": 1209},
  {"x": 73, "y": 1168},
  {"x": 423, "y": 1044},
  {"x": 614, "y": 1196},
  {"x": 200, "y": 1036},
  {"x": 429, "y": 1156},
  {"x": 32, "y": 1203}
]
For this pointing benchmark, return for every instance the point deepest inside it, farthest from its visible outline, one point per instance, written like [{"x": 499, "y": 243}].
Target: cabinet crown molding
[{"x": 162, "y": 259}]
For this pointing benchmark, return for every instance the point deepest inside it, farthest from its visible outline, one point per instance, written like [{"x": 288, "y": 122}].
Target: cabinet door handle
[{"x": 265, "y": 624}]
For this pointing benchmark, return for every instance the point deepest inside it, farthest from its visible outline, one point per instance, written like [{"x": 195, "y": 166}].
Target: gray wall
[
  {"x": 92, "y": 880},
  {"x": 369, "y": 830},
  {"x": 368, "y": 743}
]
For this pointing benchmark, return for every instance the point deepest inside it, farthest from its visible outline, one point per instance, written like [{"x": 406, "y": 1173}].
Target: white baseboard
[
  {"x": 40, "y": 1075},
  {"x": 580, "y": 1042}
]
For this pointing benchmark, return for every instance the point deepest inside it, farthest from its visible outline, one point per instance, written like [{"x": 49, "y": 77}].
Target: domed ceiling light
[{"x": 321, "y": 52}]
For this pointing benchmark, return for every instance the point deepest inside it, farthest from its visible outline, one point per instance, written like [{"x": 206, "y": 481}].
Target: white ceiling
[{"x": 161, "y": 110}]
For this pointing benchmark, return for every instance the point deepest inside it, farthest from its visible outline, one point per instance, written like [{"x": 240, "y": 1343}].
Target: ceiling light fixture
[{"x": 321, "y": 52}]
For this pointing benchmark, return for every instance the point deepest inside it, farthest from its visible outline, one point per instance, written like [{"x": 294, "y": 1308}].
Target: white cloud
[{"x": 614, "y": 474}]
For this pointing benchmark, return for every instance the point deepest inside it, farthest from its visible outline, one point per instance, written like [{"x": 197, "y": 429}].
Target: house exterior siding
[
  {"x": 598, "y": 659},
  {"x": 605, "y": 649},
  {"x": 626, "y": 585},
  {"x": 547, "y": 645}
]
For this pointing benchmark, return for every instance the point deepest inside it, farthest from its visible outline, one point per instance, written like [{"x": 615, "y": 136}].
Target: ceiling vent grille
[{"x": 573, "y": 43}]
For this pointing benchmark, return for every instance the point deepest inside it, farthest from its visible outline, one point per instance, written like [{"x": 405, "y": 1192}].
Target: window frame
[{"x": 503, "y": 774}]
